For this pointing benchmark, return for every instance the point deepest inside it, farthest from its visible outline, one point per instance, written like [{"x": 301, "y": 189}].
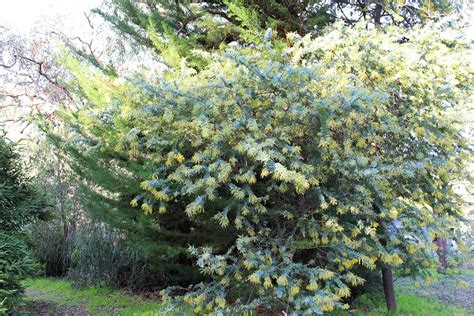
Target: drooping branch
[{"x": 9, "y": 66}]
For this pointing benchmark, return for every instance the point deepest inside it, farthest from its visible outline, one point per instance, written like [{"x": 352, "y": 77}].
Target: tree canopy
[
  {"x": 175, "y": 28},
  {"x": 290, "y": 170}
]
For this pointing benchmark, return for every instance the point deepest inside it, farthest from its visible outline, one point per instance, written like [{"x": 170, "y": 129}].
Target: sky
[{"x": 22, "y": 15}]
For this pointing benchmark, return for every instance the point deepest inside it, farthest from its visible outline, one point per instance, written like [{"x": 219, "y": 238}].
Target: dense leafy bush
[
  {"x": 15, "y": 265},
  {"x": 303, "y": 166},
  {"x": 19, "y": 204}
]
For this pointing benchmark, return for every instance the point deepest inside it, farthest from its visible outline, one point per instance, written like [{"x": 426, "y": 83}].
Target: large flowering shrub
[{"x": 293, "y": 169}]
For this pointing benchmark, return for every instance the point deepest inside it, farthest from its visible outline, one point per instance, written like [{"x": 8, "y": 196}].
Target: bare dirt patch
[{"x": 37, "y": 306}]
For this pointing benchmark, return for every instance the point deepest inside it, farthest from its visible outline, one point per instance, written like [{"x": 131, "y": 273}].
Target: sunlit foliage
[{"x": 294, "y": 168}]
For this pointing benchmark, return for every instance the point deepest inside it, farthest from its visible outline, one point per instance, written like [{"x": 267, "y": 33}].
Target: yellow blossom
[
  {"x": 295, "y": 289},
  {"x": 411, "y": 248},
  {"x": 254, "y": 278},
  {"x": 147, "y": 208},
  {"x": 267, "y": 283},
  {"x": 220, "y": 301},
  {"x": 344, "y": 292},
  {"x": 238, "y": 276},
  {"x": 282, "y": 280},
  {"x": 393, "y": 214},
  {"x": 326, "y": 275}
]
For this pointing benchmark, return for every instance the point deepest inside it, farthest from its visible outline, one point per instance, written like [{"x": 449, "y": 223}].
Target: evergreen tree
[
  {"x": 110, "y": 180},
  {"x": 291, "y": 171},
  {"x": 19, "y": 200},
  {"x": 175, "y": 28},
  {"x": 108, "y": 152},
  {"x": 19, "y": 204}
]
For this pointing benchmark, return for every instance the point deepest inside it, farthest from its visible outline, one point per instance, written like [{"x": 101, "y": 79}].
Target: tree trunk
[
  {"x": 388, "y": 289},
  {"x": 377, "y": 13},
  {"x": 441, "y": 251}
]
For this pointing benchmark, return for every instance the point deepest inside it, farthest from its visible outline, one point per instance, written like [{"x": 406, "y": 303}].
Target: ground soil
[{"x": 35, "y": 306}]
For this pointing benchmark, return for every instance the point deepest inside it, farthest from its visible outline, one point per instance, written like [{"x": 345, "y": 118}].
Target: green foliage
[
  {"x": 15, "y": 265},
  {"x": 19, "y": 204},
  {"x": 290, "y": 172},
  {"x": 101, "y": 256},
  {"x": 19, "y": 201},
  {"x": 248, "y": 18},
  {"x": 175, "y": 28}
]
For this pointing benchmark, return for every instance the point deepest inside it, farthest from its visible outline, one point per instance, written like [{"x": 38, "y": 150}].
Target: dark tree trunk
[
  {"x": 377, "y": 13},
  {"x": 441, "y": 251},
  {"x": 388, "y": 289}
]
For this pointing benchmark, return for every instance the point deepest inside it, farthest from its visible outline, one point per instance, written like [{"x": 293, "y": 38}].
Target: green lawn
[
  {"x": 408, "y": 305},
  {"x": 102, "y": 301},
  {"x": 93, "y": 299},
  {"x": 409, "y": 300}
]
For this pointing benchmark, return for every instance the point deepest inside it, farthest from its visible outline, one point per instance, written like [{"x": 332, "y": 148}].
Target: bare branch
[
  {"x": 46, "y": 76},
  {"x": 9, "y": 66},
  {"x": 88, "y": 18}
]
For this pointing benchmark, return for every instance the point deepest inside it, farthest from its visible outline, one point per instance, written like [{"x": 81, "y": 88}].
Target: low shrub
[
  {"x": 50, "y": 248},
  {"x": 101, "y": 255},
  {"x": 95, "y": 254}
]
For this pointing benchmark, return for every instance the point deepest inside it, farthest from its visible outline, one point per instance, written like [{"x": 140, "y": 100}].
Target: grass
[
  {"x": 408, "y": 305},
  {"x": 100, "y": 300},
  {"x": 434, "y": 272},
  {"x": 94, "y": 299}
]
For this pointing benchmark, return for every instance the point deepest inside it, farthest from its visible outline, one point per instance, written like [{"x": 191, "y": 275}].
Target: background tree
[
  {"x": 34, "y": 84},
  {"x": 52, "y": 242}
]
